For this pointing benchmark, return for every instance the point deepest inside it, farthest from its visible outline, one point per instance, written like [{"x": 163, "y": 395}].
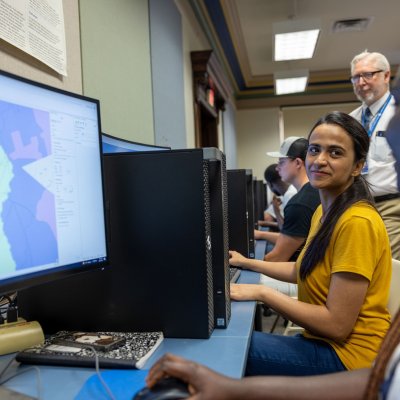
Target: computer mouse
[{"x": 165, "y": 389}]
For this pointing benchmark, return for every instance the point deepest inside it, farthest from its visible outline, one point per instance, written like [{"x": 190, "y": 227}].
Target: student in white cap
[
  {"x": 282, "y": 193},
  {"x": 300, "y": 208}
]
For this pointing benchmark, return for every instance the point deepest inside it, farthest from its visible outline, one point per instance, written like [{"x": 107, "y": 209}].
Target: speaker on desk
[{"x": 165, "y": 233}]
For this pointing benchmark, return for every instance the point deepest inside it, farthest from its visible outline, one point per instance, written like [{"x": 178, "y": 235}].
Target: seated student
[
  {"x": 283, "y": 192},
  {"x": 381, "y": 381},
  {"x": 343, "y": 273},
  {"x": 299, "y": 209}
]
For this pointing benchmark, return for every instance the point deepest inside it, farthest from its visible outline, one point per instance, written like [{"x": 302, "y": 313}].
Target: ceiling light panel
[
  {"x": 290, "y": 85},
  {"x": 295, "y": 45},
  {"x": 295, "y": 39},
  {"x": 294, "y": 81}
]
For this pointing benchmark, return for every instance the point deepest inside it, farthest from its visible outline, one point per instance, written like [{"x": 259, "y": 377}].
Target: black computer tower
[
  {"x": 238, "y": 215},
  {"x": 162, "y": 213},
  {"x": 250, "y": 209},
  {"x": 219, "y": 239}
]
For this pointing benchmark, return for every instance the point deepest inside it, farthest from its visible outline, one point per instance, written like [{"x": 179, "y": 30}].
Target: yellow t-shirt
[{"x": 359, "y": 244}]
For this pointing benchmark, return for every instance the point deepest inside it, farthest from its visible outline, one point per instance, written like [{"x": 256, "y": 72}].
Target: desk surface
[{"x": 225, "y": 352}]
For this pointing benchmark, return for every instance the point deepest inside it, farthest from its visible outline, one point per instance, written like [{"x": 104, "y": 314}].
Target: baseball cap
[{"x": 293, "y": 146}]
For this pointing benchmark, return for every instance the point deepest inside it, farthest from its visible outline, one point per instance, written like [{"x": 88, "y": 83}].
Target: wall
[
  {"x": 116, "y": 65},
  {"x": 193, "y": 40},
  {"x": 230, "y": 141},
  {"x": 257, "y": 132},
  {"x": 298, "y": 121},
  {"x": 167, "y": 74},
  {"x": 19, "y": 63}
]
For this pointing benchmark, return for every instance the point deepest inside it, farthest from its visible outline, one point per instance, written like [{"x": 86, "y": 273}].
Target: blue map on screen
[{"x": 27, "y": 205}]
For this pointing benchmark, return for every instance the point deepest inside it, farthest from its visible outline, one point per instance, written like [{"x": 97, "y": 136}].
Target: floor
[{"x": 268, "y": 320}]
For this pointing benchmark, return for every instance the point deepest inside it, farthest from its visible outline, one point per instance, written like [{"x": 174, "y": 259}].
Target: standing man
[
  {"x": 370, "y": 75},
  {"x": 299, "y": 209}
]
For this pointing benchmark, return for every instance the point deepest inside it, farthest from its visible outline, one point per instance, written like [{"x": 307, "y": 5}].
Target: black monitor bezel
[{"x": 39, "y": 277}]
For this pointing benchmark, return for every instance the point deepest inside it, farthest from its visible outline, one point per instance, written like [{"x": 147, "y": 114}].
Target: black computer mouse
[{"x": 165, "y": 389}]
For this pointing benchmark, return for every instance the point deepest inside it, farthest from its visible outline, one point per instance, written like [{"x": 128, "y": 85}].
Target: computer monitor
[
  {"x": 52, "y": 218},
  {"x": 113, "y": 144}
]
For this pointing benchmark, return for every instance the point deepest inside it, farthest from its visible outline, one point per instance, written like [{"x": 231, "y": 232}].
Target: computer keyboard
[
  {"x": 134, "y": 351},
  {"x": 234, "y": 274}
]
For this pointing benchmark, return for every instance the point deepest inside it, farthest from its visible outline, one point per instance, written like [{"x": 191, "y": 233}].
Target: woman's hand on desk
[{"x": 246, "y": 292}]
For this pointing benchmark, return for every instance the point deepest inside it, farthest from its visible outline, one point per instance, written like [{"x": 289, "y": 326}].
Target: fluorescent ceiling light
[
  {"x": 287, "y": 82},
  {"x": 295, "y": 40}
]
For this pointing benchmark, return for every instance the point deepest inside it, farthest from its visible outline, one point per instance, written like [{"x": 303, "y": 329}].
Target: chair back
[{"x": 394, "y": 295}]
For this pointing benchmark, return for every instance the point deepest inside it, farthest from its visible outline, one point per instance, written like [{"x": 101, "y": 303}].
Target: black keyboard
[
  {"x": 234, "y": 274},
  {"x": 133, "y": 353}
]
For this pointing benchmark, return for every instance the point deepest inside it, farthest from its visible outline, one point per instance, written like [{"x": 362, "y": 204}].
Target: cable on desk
[
  {"x": 6, "y": 367},
  {"x": 102, "y": 381},
  {"x": 39, "y": 380}
]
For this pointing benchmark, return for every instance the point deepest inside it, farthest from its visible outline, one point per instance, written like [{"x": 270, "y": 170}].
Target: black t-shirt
[{"x": 299, "y": 211}]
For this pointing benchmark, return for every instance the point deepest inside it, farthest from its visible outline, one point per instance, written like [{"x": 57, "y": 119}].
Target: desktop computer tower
[
  {"x": 250, "y": 209},
  {"x": 162, "y": 275},
  {"x": 238, "y": 214},
  {"x": 219, "y": 239}
]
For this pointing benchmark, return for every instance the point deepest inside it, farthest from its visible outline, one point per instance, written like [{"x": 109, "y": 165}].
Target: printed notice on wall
[{"x": 37, "y": 28}]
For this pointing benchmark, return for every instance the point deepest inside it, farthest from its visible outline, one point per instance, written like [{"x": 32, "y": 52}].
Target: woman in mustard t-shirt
[{"x": 343, "y": 273}]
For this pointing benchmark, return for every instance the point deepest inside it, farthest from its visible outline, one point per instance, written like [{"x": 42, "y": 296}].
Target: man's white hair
[{"x": 379, "y": 59}]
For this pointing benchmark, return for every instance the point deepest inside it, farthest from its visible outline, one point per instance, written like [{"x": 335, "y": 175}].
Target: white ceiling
[{"x": 250, "y": 22}]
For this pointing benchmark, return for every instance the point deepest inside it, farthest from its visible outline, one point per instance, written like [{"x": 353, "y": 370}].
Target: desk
[{"x": 225, "y": 352}]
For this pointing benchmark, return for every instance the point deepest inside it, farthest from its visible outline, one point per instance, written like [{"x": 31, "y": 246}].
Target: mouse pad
[{"x": 123, "y": 384}]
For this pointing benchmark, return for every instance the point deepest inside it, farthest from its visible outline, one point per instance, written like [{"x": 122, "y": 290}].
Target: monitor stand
[{"x": 19, "y": 335}]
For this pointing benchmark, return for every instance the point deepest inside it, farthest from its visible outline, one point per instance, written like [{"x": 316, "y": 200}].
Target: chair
[
  {"x": 394, "y": 294},
  {"x": 289, "y": 289}
]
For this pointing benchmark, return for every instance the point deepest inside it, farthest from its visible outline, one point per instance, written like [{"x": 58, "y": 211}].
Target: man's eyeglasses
[{"x": 367, "y": 76}]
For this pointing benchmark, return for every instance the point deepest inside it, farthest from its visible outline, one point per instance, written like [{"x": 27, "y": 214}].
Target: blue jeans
[{"x": 290, "y": 355}]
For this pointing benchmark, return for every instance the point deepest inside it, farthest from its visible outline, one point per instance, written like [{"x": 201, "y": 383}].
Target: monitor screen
[
  {"x": 112, "y": 144},
  {"x": 51, "y": 189}
]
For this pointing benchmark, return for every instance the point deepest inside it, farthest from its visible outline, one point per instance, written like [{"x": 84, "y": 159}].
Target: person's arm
[
  {"x": 334, "y": 320},
  {"x": 271, "y": 237},
  {"x": 268, "y": 224},
  {"x": 276, "y": 203},
  {"x": 268, "y": 217},
  {"x": 284, "y": 248},
  {"x": 283, "y": 271},
  {"x": 206, "y": 384}
]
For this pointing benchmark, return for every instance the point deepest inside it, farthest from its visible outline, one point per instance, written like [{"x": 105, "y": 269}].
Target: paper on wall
[{"x": 37, "y": 28}]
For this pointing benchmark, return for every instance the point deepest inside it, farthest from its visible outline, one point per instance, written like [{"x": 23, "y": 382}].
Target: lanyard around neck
[{"x": 376, "y": 118}]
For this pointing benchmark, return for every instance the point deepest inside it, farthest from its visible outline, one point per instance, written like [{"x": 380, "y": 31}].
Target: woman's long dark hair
[{"x": 358, "y": 191}]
